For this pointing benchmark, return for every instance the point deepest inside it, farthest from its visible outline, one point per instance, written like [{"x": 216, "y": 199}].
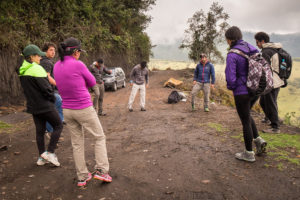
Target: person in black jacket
[
  {"x": 46, "y": 62},
  {"x": 40, "y": 102}
]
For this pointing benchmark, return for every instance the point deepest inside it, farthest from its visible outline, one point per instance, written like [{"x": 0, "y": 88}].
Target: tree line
[{"x": 111, "y": 29}]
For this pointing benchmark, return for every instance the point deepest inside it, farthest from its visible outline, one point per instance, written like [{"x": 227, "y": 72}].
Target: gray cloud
[{"x": 170, "y": 16}]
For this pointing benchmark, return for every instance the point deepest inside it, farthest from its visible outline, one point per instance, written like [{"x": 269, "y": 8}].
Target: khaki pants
[
  {"x": 206, "y": 90},
  {"x": 78, "y": 121},
  {"x": 99, "y": 95},
  {"x": 134, "y": 90}
]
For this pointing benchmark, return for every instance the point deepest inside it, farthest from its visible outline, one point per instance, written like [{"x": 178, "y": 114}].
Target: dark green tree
[{"x": 205, "y": 32}]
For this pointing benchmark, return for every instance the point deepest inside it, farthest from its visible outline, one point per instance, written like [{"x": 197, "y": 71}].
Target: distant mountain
[{"x": 290, "y": 42}]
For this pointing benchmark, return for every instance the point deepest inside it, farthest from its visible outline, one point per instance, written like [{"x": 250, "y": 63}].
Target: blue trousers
[{"x": 58, "y": 104}]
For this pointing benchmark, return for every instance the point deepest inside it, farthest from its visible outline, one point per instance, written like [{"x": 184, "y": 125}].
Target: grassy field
[{"x": 288, "y": 99}]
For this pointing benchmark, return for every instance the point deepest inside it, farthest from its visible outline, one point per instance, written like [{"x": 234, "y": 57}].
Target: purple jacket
[
  {"x": 237, "y": 68},
  {"x": 72, "y": 81}
]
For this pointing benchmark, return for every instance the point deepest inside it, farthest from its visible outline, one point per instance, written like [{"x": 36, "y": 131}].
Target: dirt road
[{"x": 167, "y": 152}]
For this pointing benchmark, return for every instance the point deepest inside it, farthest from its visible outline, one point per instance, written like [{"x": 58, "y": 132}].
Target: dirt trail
[{"x": 167, "y": 152}]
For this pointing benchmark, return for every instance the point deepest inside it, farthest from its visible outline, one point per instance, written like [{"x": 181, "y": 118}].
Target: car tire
[
  {"x": 115, "y": 87},
  {"x": 124, "y": 84}
]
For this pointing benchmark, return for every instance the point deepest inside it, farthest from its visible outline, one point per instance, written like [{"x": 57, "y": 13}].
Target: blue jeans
[{"x": 58, "y": 103}]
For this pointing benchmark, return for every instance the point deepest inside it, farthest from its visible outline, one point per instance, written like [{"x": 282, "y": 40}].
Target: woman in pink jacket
[{"x": 73, "y": 80}]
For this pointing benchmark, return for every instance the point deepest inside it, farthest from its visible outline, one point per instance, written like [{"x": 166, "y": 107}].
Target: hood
[
  {"x": 245, "y": 47},
  {"x": 25, "y": 66},
  {"x": 272, "y": 45}
]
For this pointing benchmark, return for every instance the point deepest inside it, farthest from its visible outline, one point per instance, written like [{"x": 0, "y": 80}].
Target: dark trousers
[
  {"x": 244, "y": 104},
  {"x": 40, "y": 124},
  {"x": 268, "y": 103}
]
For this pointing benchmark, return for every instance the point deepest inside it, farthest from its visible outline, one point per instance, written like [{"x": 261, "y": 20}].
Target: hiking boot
[
  {"x": 82, "y": 183},
  {"x": 271, "y": 130},
  {"x": 260, "y": 145},
  {"x": 246, "y": 156},
  {"x": 143, "y": 109},
  {"x": 99, "y": 175},
  {"x": 41, "y": 161},
  {"x": 50, "y": 157},
  {"x": 206, "y": 110},
  {"x": 130, "y": 110}
]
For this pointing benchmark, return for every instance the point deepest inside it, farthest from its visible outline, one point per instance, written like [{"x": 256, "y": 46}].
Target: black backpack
[
  {"x": 285, "y": 65},
  {"x": 174, "y": 97}
]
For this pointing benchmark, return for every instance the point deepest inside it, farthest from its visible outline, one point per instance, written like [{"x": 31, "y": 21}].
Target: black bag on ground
[{"x": 174, "y": 97}]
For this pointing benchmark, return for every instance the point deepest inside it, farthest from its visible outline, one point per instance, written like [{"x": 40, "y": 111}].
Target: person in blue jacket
[
  {"x": 204, "y": 78},
  {"x": 236, "y": 77}
]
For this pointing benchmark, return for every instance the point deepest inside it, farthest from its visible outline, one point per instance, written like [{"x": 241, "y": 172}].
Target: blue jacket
[
  {"x": 237, "y": 68},
  {"x": 203, "y": 74}
]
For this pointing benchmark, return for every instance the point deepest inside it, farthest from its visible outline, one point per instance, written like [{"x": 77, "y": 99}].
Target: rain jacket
[
  {"x": 203, "y": 74},
  {"x": 37, "y": 89},
  {"x": 237, "y": 68}
]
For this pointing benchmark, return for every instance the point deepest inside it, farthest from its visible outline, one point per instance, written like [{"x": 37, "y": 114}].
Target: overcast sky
[{"x": 169, "y": 17}]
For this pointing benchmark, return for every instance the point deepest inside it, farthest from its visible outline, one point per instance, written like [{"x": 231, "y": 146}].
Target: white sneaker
[
  {"x": 246, "y": 156},
  {"x": 41, "y": 161},
  {"x": 51, "y": 157}
]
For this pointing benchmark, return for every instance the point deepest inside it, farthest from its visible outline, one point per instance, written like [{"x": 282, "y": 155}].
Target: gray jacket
[
  {"x": 139, "y": 75},
  {"x": 99, "y": 72}
]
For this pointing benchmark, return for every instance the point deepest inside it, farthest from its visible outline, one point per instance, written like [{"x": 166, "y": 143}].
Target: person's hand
[
  {"x": 212, "y": 86},
  {"x": 147, "y": 85},
  {"x": 194, "y": 82},
  {"x": 110, "y": 71}
]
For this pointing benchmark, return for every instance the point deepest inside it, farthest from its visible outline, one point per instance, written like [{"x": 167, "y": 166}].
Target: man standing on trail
[
  {"x": 46, "y": 62},
  {"x": 138, "y": 77},
  {"x": 268, "y": 102},
  {"x": 204, "y": 72},
  {"x": 98, "y": 69}
]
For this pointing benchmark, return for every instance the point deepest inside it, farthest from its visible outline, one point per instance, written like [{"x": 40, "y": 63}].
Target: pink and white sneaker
[
  {"x": 102, "y": 176},
  {"x": 81, "y": 183}
]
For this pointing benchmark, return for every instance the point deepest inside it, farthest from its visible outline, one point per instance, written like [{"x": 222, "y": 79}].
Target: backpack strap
[{"x": 239, "y": 52}]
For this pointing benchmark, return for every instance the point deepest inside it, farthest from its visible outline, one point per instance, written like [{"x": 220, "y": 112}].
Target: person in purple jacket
[
  {"x": 236, "y": 77},
  {"x": 72, "y": 81}
]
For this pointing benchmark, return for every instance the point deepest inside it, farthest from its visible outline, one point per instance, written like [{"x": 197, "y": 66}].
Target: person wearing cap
[
  {"x": 46, "y": 62},
  {"x": 72, "y": 81},
  {"x": 204, "y": 79},
  {"x": 98, "y": 69},
  {"x": 40, "y": 102},
  {"x": 139, "y": 81}
]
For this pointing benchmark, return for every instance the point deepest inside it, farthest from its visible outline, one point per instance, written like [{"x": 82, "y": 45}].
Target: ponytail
[{"x": 61, "y": 51}]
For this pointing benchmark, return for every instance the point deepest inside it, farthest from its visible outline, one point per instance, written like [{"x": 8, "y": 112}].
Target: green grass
[
  {"x": 217, "y": 127},
  {"x": 281, "y": 147},
  {"x": 4, "y": 125}
]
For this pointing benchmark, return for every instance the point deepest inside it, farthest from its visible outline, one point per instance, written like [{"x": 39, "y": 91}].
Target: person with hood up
[
  {"x": 40, "y": 102},
  {"x": 236, "y": 77}
]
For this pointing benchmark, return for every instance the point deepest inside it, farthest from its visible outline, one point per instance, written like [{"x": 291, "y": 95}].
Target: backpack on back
[
  {"x": 260, "y": 76},
  {"x": 174, "y": 97},
  {"x": 285, "y": 64}
]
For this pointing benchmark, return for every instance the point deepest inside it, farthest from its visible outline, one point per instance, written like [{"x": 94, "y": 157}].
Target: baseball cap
[
  {"x": 33, "y": 50},
  {"x": 72, "y": 43}
]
